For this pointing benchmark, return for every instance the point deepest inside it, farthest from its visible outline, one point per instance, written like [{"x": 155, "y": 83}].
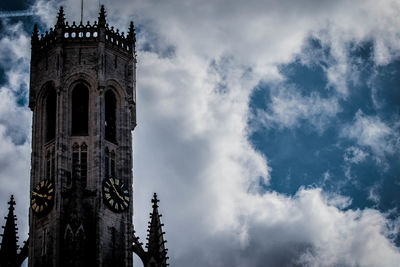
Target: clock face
[
  {"x": 42, "y": 197},
  {"x": 115, "y": 194}
]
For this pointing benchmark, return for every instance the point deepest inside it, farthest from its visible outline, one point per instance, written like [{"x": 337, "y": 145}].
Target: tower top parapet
[{"x": 99, "y": 31}]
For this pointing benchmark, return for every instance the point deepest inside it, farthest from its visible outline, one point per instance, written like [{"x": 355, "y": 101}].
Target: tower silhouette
[{"x": 82, "y": 94}]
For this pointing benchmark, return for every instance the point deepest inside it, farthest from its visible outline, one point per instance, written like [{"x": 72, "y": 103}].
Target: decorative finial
[
  {"x": 11, "y": 203},
  {"x": 102, "y": 16},
  {"x": 155, "y": 201},
  {"x": 35, "y": 34},
  {"x": 60, "y": 18},
  {"x": 131, "y": 32}
]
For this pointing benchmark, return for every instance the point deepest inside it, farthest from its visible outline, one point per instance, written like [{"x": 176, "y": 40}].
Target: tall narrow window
[
  {"x": 110, "y": 116},
  {"x": 79, "y": 163},
  {"x": 53, "y": 165},
  {"x": 48, "y": 165},
  {"x": 51, "y": 104},
  {"x": 106, "y": 163},
  {"x": 112, "y": 165},
  {"x": 75, "y": 161},
  {"x": 80, "y": 110},
  {"x": 83, "y": 165}
]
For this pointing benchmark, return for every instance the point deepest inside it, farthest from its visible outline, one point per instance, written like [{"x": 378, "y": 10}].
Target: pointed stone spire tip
[
  {"x": 102, "y": 16},
  {"x": 60, "y": 18}
]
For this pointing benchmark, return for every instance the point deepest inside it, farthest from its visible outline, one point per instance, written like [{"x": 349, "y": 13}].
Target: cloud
[
  {"x": 371, "y": 132},
  {"x": 355, "y": 155},
  {"x": 191, "y": 144},
  {"x": 15, "y": 121},
  {"x": 289, "y": 109},
  {"x": 14, "y": 60}
]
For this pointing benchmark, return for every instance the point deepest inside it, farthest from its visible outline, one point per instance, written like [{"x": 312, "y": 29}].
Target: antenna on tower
[{"x": 81, "y": 11}]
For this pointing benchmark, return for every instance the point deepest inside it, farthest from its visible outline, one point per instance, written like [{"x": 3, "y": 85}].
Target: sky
[{"x": 269, "y": 129}]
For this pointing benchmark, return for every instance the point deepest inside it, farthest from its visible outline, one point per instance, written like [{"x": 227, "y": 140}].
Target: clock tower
[{"x": 82, "y": 94}]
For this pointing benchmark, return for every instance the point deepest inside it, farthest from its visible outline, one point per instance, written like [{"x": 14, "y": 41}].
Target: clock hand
[
  {"x": 39, "y": 195},
  {"x": 116, "y": 191}
]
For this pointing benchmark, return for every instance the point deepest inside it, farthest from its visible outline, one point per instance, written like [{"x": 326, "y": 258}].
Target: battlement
[{"x": 98, "y": 31}]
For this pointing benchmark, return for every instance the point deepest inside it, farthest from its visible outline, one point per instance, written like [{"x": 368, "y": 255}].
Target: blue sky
[
  {"x": 327, "y": 155},
  {"x": 270, "y": 129}
]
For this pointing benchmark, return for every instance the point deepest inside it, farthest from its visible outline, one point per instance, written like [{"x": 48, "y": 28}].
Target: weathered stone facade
[{"x": 75, "y": 66}]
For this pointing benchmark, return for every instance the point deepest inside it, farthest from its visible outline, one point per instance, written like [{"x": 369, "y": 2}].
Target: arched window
[
  {"x": 110, "y": 116},
  {"x": 51, "y": 104},
  {"x": 80, "y": 110}
]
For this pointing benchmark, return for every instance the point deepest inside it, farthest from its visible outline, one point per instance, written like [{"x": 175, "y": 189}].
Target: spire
[
  {"x": 60, "y": 18},
  {"x": 8, "y": 251},
  {"x": 156, "y": 251},
  {"x": 155, "y": 238},
  {"x": 102, "y": 16},
  {"x": 131, "y": 32},
  {"x": 35, "y": 34}
]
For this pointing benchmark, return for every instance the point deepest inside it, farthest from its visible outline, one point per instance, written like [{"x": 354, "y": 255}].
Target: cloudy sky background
[{"x": 269, "y": 129}]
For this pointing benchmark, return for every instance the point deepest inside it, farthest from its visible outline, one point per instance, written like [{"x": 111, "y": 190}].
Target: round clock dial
[
  {"x": 42, "y": 197},
  {"x": 115, "y": 194}
]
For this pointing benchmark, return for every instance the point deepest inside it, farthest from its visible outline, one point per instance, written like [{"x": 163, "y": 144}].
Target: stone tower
[{"x": 82, "y": 94}]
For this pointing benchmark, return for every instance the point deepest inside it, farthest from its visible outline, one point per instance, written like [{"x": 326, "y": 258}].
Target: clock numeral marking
[
  {"x": 126, "y": 198},
  {"x": 126, "y": 191},
  {"x": 37, "y": 209},
  {"x": 33, "y": 200},
  {"x": 41, "y": 183},
  {"x": 116, "y": 181},
  {"x": 106, "y": 189},
  {"x": 108, "y": 196},
  {"x": 49, "y": 197},
  {"x": 51, "y": 190},
  {"x": 49, "y": 185},
  {"x": 111, "y": 202},
  {"x": 37, "y": 187},
  {"x": 46, "y": 204},
  {"x": 34, "y": 206},
  {"x": 41, "y": 208},
  {"x": 112, "y": 180},
  {"x": 125, "y": 203},
  {"x": 116, "y": 206}
]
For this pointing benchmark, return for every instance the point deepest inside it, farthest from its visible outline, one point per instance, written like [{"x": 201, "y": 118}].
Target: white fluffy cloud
[
  {"x": 289, "y": 109},
  {"x": 191, "y": 143},
  {"x": 15, "y": 122},
  {"x": 373, "y": 133}
]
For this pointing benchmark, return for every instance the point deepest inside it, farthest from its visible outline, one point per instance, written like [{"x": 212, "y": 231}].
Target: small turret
[
  {"x": 9, "y": 247},
  {"x": 156, "y": 254},
  {"x": 9, "y": 255}
]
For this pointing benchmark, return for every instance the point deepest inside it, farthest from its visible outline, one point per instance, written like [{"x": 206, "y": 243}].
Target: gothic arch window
[
  {"x": 110, "y": 116},
  {"x": 80, "y": 110},
  {"x": 51, "y": 104}
]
